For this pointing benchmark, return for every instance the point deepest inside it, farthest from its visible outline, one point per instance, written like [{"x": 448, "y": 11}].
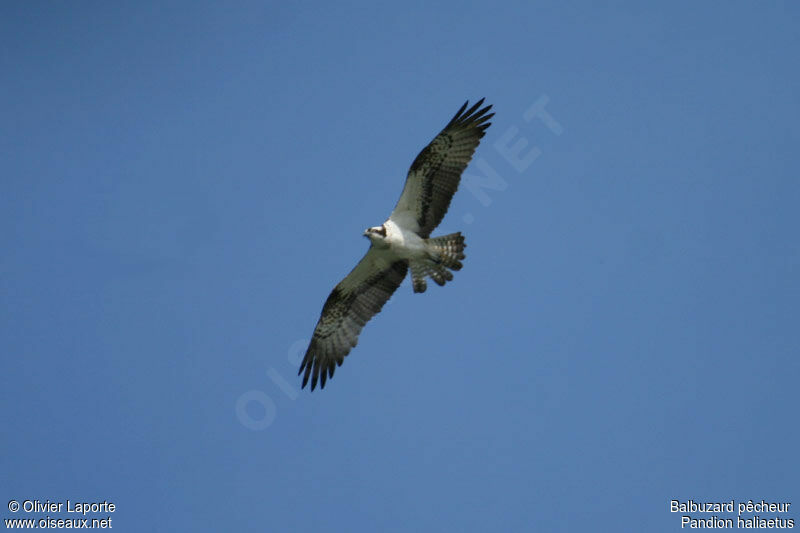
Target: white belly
[{"x": 404, "y": 243}]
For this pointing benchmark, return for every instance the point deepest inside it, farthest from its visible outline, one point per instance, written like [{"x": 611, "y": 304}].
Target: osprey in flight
[{"x": 400, "y": 243}]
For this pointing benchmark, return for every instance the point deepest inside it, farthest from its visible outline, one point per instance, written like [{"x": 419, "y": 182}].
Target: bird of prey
[{"x": 401, "y": 243}]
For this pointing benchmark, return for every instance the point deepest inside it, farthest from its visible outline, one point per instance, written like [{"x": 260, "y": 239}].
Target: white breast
[{"x": 405, "y": 243}]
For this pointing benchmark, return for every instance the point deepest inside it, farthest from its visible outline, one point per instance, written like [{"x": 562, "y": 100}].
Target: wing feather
[
  {"x": 435, "y": 173},
  {"x": 352, "y": 303}
]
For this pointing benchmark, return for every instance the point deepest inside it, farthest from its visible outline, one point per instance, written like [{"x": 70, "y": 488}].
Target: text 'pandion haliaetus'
[{"x": 400, "y": 243}]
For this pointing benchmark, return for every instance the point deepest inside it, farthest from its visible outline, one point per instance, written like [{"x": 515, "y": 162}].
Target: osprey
[{"x": 400, "y": 243}]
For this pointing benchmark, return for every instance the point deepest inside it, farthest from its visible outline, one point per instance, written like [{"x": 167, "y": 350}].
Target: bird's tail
[{"x": 445, "y": 252}]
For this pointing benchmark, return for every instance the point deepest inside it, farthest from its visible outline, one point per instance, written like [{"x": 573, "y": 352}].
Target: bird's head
[{"x": 376, "y": 234}]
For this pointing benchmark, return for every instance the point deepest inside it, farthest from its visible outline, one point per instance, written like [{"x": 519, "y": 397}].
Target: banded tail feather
[{"x": 445, "y": 252}]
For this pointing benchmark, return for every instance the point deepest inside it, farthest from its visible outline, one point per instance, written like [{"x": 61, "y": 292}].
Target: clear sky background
[{"x": 182, "y": 184}]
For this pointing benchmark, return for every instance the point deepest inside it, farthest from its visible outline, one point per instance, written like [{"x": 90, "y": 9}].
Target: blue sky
[{"x": 182, "y": 184}]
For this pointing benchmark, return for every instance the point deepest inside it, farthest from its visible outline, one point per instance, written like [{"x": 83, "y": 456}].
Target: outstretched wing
[
  {"x": 435, "y": 173},
  {"x": 355, "y": 300}
]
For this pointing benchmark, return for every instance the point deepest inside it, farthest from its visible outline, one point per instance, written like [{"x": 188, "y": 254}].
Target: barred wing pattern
[
  {"x": 434, "y": 176},
  {"x": 352, "y": 303}
]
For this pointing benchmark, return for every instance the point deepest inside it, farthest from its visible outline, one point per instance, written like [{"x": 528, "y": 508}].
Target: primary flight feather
[{"x": 401, "y": 243}]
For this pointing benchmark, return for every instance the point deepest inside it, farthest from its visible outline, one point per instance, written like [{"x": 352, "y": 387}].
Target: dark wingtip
[
  {"x": 306, "y": 366},
  {"x": 474, "y": 108},
  {"x": 470, "y": 114},
  {"x": 460, "y": 111}
]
